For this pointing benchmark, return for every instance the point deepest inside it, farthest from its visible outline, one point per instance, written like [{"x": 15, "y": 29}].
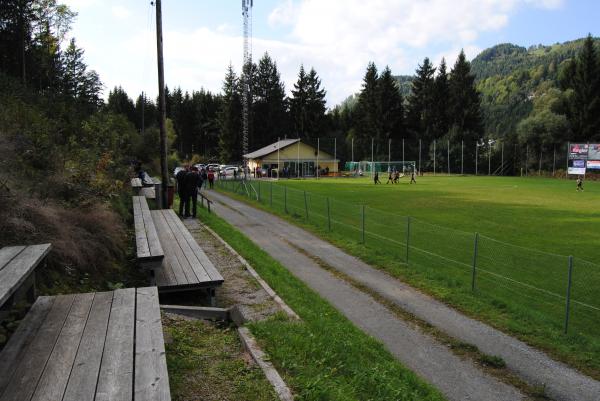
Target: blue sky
[{"x": 336, "y": 37}]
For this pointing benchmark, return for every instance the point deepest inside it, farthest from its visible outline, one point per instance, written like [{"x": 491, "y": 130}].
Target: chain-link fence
[{"x": 544, "y": 288}]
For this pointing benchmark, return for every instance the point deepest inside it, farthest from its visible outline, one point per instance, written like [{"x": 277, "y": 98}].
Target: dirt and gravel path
[{"x": 456, "y": 378}]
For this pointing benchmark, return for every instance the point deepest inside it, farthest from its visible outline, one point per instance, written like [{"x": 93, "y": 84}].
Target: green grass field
[{"x": 527, "y": 227}]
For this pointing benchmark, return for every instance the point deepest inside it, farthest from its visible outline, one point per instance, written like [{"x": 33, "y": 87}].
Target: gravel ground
[{"x": 239, "y": 287}]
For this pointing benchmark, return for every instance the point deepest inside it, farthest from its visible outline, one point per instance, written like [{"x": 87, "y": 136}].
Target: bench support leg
[{"x": 212, "y": 297}]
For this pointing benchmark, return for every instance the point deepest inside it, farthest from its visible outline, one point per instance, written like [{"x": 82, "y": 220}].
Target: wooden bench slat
[
  {"x": 151, "y": 234},
  {"x": 174, "y": 259},
  {"x": 207, "y": 265},
  {"x": 151, "y": 376},
  {"x": 190, "y": 252},
  {"x": 116, "y": 373},
  {"x": 30, "y": 368},
  {"x": 136, "y": 182},
  {"x": 8, "y": 253},
  {"x": 55, "y": 377},
  {"x": 19, "y": 268},
  {"x": 86, "y": 367},
  {"x": 141, "y": 243},
  {"x": 14, "y": 350}
]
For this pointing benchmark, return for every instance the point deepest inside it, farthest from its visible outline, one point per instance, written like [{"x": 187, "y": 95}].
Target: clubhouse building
[{"x": 291, "y": 158}]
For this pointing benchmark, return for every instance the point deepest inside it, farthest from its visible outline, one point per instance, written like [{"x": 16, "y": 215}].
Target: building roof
[{"x": 274, "y": 147}]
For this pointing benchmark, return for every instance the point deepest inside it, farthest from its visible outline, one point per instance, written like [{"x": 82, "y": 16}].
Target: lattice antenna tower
[{"x": 247, "y": 16}]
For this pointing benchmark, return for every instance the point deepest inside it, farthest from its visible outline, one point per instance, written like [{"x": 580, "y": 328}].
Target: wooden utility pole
[{"x": 162, "y": 107}]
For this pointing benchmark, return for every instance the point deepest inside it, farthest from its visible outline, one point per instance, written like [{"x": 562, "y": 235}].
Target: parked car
[
  {"x": 214, "y": 166},
  {"x": 229, "y": 171}
]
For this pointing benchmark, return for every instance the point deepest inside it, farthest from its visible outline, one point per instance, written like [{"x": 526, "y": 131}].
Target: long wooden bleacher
[
  {"x": 149, "y": 250},
  {"x": 95, "y": 346},
  {"x": 185, "y": 266},
  {"x": 17, "y": 272}
]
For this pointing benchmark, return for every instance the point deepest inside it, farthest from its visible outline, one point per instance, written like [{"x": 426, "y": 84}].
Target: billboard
[
  {"x": 593, "y": 165},
  {"x": 594, "y": 151},
  {"x": 578, "y": 151},
  {"x": 576, "y": 166}
]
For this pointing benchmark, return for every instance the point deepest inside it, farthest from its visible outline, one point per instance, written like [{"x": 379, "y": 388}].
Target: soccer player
[
  {"x": 376, "y": 178},
  {"x": 390, "y": 179},
  {"x": 579, "y": 184},
  {"x": 412, "y": 177}
]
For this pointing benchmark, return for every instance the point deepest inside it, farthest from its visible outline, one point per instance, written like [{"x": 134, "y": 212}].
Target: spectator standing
[
  {"x": 192, "y": 182},
  {"x": 180, "y": 178},
  {"x": 211, "y": 178}
]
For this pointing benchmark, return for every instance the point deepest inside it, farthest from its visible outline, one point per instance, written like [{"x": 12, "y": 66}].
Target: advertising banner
[
  {"x": 594, "y": 151},
  {"x": 593, "y": 165},
  {"x": 578, "y": 151},
  {"x": 576, "y": 167}
]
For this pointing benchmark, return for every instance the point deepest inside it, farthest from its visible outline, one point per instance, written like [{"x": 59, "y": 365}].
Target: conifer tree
[
  {"x": 366, "y": 113},
  {"x": 420, "y": 110},
  {"x": 315, "y": 103},
  {"x": 464, "y": 109},
  {"x": 583, "y": 77},
  {"x": 229, "y": 119},
  {"x": 269, "y": 104},
  {"x": 441, "y": 97},
  {"x": 299, "y": 104},
  {"x": 390, "y": 111}
]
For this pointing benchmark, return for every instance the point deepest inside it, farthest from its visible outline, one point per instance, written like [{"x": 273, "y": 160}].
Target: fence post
[
  {"x": 362, "y": 218},
  {"x": 474, "y": 262},
  {"x": 568, "y": 305},
  {"x": 407, "y": 237},
  {"x": 259, "y": 192},
  {"x": 271, "y": 195},
  {"x": 285, "y": 199},
  {"x": 328, "y": 216},
  {"x": 305, "y": 206}
]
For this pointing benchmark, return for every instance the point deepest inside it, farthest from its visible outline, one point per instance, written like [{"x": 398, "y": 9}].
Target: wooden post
[
  {"x": 285, "y": 199},
  {"x": 162, "y": 107}
]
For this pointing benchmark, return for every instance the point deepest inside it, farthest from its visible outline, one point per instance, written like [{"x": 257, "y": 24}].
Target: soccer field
[
  {"x": 527, "y": 229},
  {"x": 545, "y": 214}
]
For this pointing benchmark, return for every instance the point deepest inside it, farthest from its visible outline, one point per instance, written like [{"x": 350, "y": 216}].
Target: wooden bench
[
  {"x": 149, "y": 251},
  {"x": 17, "y": 272},
  {"x": 185, "y": 266},
  {"x": 95, "y": 346},
  {"x": 136, "y": 185}
]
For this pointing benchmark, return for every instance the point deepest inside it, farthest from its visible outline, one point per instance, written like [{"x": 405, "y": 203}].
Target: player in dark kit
[
  {"x": 412, "y": 177},
  {"x": 579, "y": 184},
  {"x": 376, "y": 178}
]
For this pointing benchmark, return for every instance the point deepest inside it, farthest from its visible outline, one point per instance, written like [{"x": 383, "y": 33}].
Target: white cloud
[
  {"x": 120, "y": 12},
  {"x": 336, "y": 37}
]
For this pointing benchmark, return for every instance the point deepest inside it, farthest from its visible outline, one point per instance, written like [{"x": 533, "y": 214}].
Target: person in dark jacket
[
  {"x": 180, "y": 178},
  {"x": 192, "y": 182}
]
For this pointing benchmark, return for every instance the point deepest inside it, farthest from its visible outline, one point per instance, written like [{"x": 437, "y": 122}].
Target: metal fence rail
[{"x": 548, "y": 289}]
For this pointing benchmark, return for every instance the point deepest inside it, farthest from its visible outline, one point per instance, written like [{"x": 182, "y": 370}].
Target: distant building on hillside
[{"x": 296, "y": 157}]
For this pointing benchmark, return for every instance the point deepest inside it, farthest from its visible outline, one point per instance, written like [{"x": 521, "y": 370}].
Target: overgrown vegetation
[
  {"x": 323, "y": 357},
  {"x": 63, "y": 157}
]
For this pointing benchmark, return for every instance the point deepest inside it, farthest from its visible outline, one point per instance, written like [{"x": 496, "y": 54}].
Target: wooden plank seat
[
  {"x": 185, "y": 266},
  {"x": 149, "y": 250},
  {"x": 86, "y": 347},
  {"x": 17, "y": 272}
]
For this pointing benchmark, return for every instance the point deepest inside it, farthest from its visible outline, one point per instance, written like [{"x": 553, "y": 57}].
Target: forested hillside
[{"x": 510, "y": 78}]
